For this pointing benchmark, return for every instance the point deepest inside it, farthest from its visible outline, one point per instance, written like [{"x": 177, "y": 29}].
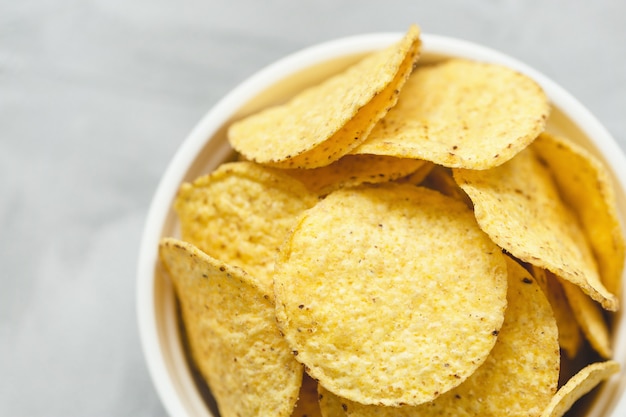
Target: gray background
[{"x": 95, "y": 97}]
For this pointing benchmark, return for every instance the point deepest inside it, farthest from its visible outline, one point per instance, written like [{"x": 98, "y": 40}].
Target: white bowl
[{"x": 206, "y": 147}]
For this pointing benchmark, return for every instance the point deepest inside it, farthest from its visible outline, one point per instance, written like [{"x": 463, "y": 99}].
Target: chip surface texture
[{"x": 390, "y": 294}]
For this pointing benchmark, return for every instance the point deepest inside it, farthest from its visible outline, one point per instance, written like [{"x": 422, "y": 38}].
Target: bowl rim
[{"x": 221, "y": 111}]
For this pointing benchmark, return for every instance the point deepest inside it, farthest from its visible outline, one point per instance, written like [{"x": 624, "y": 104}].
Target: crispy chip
[
  {"x": 232, "y": 334},
  {"x": 519, "y": 207},
  {"x": 390, "y": 294},
  {"x": 589, "y": 317},
  {"x": 326, "y": 121},
  {"x": 579, "y": 385},
  {"x": 570, "y": 338},
  {"x": 462, "y": 114},
  {"x": 241, "y": 213},
  {"x": 585, "y": 185},
  {"x": 352, "y": 170},
  {"x": 519, "y": 376}
]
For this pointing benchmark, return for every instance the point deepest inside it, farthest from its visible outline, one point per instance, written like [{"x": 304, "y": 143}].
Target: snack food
[{"x": 605, "y": 297}]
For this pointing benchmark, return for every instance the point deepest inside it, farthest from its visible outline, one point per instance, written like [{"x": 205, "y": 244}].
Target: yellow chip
[
  {"x": 520, "y": 375},
  {"x": 241, "y": 213},
  {"x": 519, "y": 207},
  {"x": 232, "y": 333},
  {"x": 390, "y": 294},
  {"x": 589, "y": 317},
  {"x": 570, "y": 338},
  {"x": 586, "y": 186},
  {"x": 326, "y": 121},
  {"x": 579, "y": 385},
  {"x": 461, "y": 114},
  {"x": 352, "y": 170}
]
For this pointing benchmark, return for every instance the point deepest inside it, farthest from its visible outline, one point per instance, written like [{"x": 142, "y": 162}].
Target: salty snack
[
  {"x": 326, "y": 121},
  {"x": 233, "y": 337},
  {"x": 525, "y": 361},
  {"x": 462, "y": 114},
  {"x": 401, "y": 242},
  {"x": 518, "y": 205},
  {"x": 390, "y": 294},
  {"x": 241, "y": 213}
]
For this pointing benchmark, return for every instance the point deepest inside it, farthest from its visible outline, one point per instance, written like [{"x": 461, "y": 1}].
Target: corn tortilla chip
[
  {"x": 241, "y": 213},
  {"x": 352, "y": 170},
  {"x": 326, "y": 121},
  {"x": 462, "y": 114},
  {"x": 585, "y": 185},
  {"x": 390, "y": 294},
  {"x": 519, "y": 376},
  {"x": 232, "y": 334},
  {"x": 519, "y": 207},
  {"x": 579, "y": 385},
  {"x": 588, "y": 315},
  {"x": 570, "y": 338}
]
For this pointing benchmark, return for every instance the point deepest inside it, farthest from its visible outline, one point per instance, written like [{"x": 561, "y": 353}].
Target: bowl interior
[{"x": 180, "y": 388}]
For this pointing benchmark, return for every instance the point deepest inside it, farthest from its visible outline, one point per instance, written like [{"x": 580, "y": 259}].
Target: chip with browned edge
[
  {"x": 326, "y": 121},
  {"x": 390, "y": 294},
  {"x": 232, "y": 334}
]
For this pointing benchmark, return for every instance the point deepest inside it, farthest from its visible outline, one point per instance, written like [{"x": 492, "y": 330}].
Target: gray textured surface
[{"x": 96, "y": 95}]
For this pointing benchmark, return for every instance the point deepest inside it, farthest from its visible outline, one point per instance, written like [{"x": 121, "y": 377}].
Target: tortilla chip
[
  {"x": 579, "y": 385},
  {"x": 570, "y": 338},
  {"x": 519, "y": 207},
  {"x": 232, "y": 334},
  {"x": 462, "y": 114},
  {"x": 585, "y": 185},
  {"x": 589, "y": 317},
  {"x": 520, "y": 375},
  {"x": 390, "y": 294},
  {"x": 326, "y": 121},
  {"x": 352, "y": 170},
  {"x": 241, "y": 213}
]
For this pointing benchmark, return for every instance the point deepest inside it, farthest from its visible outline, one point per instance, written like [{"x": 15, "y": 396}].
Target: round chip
[
  {"x": 390, "y": 294},
  {"x": 461, "y": 114},
  {"x": 232, "y": 334},
  {"x": 241, "y": 213},
  {"x": 520, "y": 375},
  {"x": 518, "y": 205},
  {"x": 326, "y": 121},
  {"x": 579, "y": 385}
]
